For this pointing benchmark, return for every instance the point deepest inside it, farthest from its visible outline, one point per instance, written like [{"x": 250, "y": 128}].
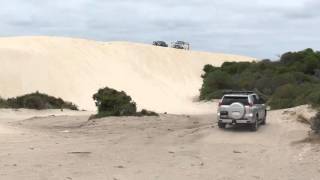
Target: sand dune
[{"x": 159, "y": 79}]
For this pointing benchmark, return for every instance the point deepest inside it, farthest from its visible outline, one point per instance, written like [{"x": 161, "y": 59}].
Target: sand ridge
[{"x": 157, "y": 78}]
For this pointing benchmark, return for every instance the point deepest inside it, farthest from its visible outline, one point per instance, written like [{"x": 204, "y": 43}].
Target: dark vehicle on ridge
[{"x": 160, "y": 43}]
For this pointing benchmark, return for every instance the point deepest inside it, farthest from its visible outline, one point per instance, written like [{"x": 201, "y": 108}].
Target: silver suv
[{"x": 242, "y": 107}]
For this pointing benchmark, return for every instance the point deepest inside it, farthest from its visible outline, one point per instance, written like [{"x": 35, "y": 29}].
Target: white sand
[
  {"x": 159, "y": 79},
  {"x": 143, "y": 148}
]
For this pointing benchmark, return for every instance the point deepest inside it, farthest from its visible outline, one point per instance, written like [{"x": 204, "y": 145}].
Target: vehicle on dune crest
[
  {"x": 160, "y": 43},
  {"x": 180, "y": 45}
]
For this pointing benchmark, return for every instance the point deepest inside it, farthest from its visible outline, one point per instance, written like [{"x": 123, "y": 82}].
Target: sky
[{"x": 257, "y": 28}]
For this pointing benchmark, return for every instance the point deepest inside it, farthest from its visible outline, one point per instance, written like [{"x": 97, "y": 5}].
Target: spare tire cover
[{"x": 236, "y": 111}]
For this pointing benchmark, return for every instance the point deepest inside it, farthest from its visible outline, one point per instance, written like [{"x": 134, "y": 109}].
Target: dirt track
[{"x": 166, "y": 147}]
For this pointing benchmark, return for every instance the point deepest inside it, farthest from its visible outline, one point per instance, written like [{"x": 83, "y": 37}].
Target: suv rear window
[{"x": 228, "y": 100}]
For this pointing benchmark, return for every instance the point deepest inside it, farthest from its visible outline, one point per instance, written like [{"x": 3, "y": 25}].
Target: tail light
[
  {"x": 220, "y": 103},
  {"x": 251, "y": 104}
]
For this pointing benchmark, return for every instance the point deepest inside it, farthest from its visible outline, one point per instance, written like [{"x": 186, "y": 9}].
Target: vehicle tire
[
  {"x": 239, "y": 108},
  {"x": 255, "y": 125},
  {"x": 221, "y": 125},
  {"x": 264, "y": 119}
]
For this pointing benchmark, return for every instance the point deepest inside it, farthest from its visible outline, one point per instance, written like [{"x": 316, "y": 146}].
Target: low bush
[
  {"x": 3, "y": 103},
  {"x": 37, "y": 101},
  {"x": 144, "y": 112},
  {"x": 314, "y": 97},
  {"x": 282, "y": 97},
  {"x": 111, "y": 102},
  {"x": 302, "y": 119}
]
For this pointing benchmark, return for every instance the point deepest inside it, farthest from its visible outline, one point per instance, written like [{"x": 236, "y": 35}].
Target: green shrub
[
  {"x": 282, "y": 97},
  {"x": 144, "y": 112},
  {"x": 111, "y": 102},
  {"x": 286, "y": 92},
  {"x": 3, "y": 103},
  {"x": 38, "y": 101},
  {"x": 214, "y": 82},
  {"x": 281, "y": 104},
  {"x": 314, "y": 98},
  {"x": 114, "y": 103},
  {"x": 34, "y": 102}
]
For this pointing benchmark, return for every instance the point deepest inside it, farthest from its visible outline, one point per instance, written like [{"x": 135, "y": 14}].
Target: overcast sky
[{"x": 259, "y": 28}]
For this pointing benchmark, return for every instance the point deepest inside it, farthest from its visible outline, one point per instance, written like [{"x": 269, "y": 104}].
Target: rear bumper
[{"x": 236, "y": 121}]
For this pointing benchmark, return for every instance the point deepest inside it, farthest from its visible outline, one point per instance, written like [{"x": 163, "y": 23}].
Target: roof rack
[{"x": 238, "y": 92}]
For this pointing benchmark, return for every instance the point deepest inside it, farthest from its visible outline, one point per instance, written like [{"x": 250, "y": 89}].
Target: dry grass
[
  {"x": 303, "y": 119},
  {"x": 315, "y": 123},
  {"x": 312, "y": 138}
]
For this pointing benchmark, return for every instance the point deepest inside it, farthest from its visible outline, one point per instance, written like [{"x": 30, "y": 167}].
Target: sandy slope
[
  {"x": 166, "y": 147},
  {"x": 160, "y": 79}
]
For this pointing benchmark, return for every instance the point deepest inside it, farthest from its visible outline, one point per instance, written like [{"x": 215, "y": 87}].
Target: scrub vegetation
[
  {"x": 291, "y": 81},
  {"x": 111, "y": 102},
  {"x": 37, "y": 101}
]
